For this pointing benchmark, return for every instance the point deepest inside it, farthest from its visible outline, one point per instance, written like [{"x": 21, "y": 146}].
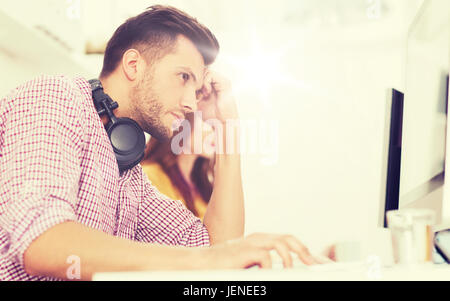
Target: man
[{"x": 61, "y": 193}]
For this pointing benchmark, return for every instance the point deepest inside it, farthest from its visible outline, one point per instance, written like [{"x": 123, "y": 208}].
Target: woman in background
[{"x": 184, "y": 177}]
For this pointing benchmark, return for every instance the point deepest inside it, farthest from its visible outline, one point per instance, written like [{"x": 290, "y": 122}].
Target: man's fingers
[
  {"x": 207, "y": 84},
  {"x": 300, "y": 250},
  {"x": 205, "y": 92},
  {"x": 260, "y": 258},
  {"x": 283, "y": 250},
  {"x": 207, "y": 88},
  {"x": 265, "y": 260},
  {"x": 220, "y": 84},
  {"x": 264, "y": 244},
  {"x": 214, "y": 82},
  {"x": 322, "y": 259}
]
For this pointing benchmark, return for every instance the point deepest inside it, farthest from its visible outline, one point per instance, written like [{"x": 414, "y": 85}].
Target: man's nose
[{"x": 189, "y": 102}]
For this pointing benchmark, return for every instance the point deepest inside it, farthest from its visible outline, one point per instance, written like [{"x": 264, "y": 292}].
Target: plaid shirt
[{"x": 57, "y": 165}]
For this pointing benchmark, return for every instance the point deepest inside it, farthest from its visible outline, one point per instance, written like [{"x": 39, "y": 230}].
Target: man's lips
[{"x": 178, "y": 120}]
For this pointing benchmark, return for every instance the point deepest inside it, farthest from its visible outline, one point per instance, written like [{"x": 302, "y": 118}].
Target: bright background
[{"x": 319, "y": 70}]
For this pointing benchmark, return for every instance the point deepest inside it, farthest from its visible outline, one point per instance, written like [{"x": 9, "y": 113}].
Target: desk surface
[{"x": 359, "y": 272}]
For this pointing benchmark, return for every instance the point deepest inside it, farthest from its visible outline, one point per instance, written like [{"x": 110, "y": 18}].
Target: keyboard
[{"x": 326, "y": 266}]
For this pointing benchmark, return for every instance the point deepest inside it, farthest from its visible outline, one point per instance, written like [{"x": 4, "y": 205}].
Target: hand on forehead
[
  {"x": 215, "y": 82},
  {"x": 206, "y": 85}
]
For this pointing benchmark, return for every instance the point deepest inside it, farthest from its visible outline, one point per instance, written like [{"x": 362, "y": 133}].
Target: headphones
[{"x": 126, "y": 136}]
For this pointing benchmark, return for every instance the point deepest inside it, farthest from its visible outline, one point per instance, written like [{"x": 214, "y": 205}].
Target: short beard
[{"x": 147, "y": 110}]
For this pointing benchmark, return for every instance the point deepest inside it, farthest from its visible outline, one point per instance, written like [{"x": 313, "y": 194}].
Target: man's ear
[{"x": 130, "y": 63}]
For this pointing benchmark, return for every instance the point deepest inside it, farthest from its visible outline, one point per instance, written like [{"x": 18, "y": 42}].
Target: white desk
[{"x": 362, "y": 272}]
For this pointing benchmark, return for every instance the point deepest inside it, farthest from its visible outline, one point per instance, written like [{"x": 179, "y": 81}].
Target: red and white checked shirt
[{"x": 57, "y": 165}]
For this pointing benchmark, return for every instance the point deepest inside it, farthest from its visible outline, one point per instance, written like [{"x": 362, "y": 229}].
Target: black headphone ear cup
[
  {"x": 128, "y": 142},
  {"x": 126, "y": 136}
]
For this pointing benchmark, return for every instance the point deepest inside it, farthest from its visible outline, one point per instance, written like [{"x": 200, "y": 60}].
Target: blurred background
[{"x": 312, "y": 75}]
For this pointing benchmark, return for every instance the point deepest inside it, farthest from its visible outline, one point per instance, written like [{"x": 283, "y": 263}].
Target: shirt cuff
[
  {"x": 39, "y": 220},
  {"x": 198, "y": 236}
]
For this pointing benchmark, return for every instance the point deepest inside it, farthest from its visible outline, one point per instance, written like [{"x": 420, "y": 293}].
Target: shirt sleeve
[
  {"x": 169, "y": 222},
  {"x": 40, "y": 160}
]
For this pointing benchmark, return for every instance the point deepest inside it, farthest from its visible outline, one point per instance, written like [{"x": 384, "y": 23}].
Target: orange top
[{"x": 161, "y": 180}]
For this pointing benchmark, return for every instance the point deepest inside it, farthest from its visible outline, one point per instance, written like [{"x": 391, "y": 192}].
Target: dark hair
[
  {"x": 154, "y": 32},
  {"x": 201, "y": 174}
]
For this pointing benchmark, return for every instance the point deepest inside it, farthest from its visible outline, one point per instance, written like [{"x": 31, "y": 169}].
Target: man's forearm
[
  {"x": 225, "y": 216},
  {"x": 99, "y": 252}
]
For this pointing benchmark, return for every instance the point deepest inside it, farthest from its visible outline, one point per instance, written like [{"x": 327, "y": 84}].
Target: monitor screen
[{"x": 425, "y": 105}]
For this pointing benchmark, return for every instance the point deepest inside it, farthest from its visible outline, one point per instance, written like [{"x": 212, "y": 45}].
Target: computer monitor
[
  {"x": 424, "y": 149},
  {"x": 425, "y": 109},
  {"x": 416, "y": 162},
  {"x": 422, "y": 193},
  {"x": 394, "y": 152}
]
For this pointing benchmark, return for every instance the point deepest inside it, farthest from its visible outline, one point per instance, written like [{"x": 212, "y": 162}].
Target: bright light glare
[
  {"x": 261, "y": 70},
  {"x": 258, "y": 70}
]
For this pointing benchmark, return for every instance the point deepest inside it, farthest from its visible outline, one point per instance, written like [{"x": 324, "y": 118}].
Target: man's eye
[{"x": 185, "y": 77}]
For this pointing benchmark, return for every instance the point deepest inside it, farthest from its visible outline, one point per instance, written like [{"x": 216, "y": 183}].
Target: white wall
[
  {"x": 26, "y": 52},
  {"x": 327, "y": 184},
  {"x": 328, "y": 178}
]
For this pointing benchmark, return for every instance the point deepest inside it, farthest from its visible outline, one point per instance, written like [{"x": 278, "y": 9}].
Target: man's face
[{"x": 167, "y": 90}]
